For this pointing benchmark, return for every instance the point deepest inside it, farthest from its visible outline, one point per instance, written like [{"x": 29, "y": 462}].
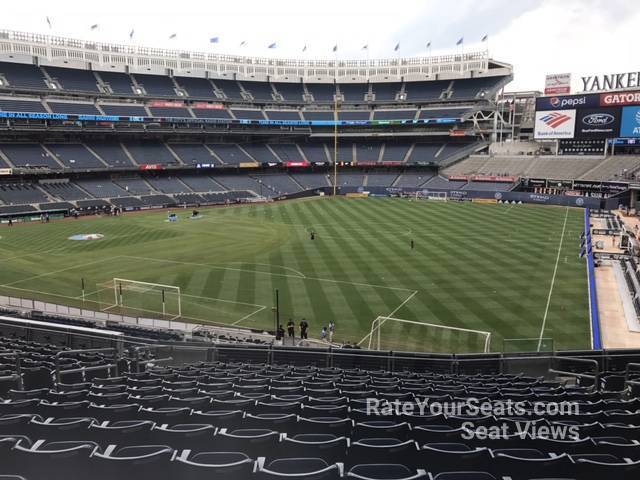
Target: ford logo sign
[{"x": 599, "y": 119}]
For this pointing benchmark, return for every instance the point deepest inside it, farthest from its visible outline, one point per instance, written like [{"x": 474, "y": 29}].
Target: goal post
[
  {"x": 430, "y": 195},
  {"x": 390, "y": 333},
  {"x": 147, "y": 297}
]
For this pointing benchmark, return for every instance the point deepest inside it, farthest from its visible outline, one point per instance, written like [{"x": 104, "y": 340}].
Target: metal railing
[
  {"x": 17, "y": 376},
  {"x": 60, "y": 372}
]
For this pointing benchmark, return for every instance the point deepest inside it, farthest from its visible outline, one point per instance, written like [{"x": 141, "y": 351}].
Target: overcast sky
[{"x": 536, "y": 36}]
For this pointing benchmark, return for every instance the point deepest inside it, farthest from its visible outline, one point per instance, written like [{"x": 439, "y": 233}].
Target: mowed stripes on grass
[{"x": 482, "y": 267}]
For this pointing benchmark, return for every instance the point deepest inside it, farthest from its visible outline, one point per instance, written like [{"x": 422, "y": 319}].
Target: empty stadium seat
[{"x": 308, "y": 468}]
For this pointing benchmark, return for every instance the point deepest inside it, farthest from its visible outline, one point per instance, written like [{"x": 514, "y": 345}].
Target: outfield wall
[
  {"x": 593, "y": 295},
  {"x": 524, "y": 197}
]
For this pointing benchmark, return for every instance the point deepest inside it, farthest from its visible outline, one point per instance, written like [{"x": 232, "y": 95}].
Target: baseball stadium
[{"x": 221, "y": 265}]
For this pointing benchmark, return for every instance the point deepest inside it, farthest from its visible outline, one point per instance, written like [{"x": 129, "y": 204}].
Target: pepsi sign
[{"x": 567, "y": 102}]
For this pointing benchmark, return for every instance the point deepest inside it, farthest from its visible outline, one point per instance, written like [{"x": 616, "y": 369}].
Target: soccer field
[{"x": 512, "y": 270}]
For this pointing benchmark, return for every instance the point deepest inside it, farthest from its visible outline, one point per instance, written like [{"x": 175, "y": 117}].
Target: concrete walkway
[{"x": 615, "y": 332}]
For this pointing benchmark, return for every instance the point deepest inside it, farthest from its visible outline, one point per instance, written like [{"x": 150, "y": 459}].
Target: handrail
[
  {"x": 18, "y": 365},
  {"x": 595, "y": 376},
  {"x": 18, "y": 373},
  {"x": 627, "y": 372},
  {"x": 107, "y": 366},
  {"x": 13, "y": 376},
  {"x": 61, "y": 353}
]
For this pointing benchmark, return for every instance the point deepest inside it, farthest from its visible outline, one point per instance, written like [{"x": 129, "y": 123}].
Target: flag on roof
[
  {"x": 485, "y": 38},
  {"x": 214, "y": 40},
  {"x": 243, "y": 43},
  {"x": 48, "y": 21},
  {"x": 335, "y": 48},
  {"x": 397, "y": 47},
  {"x": 94, "y": 26},
  {"x": 172, "y": 36},
  {"x": 460, "y": 41},
  {"x": 273, "y": 45},
  {"x": 131, "y": 34},
  {"x": 366, "y": 47},
  {"x": 304, "y": 49}
]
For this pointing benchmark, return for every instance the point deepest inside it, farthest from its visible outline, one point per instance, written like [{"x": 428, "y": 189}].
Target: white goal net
[
  {"x": 132, "y": 296},
  {"x": 389, "y": 333},
  {"x": 429, "y": 195}
]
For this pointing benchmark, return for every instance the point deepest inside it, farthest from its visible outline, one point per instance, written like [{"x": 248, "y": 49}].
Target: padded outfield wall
[{"x": 524, "y": 197}]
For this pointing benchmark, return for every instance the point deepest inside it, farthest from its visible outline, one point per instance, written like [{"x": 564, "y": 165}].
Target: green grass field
[{"x": 506, "y": 269}]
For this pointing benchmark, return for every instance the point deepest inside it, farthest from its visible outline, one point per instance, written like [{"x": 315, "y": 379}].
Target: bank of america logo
[{"x": 555, "y": 119}]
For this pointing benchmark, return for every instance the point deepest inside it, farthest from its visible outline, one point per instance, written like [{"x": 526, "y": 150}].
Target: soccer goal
[
  {"x": 390, "y": 333},
  {"x": 147, "y": 298},
  {"x": 428, "y": 195}
]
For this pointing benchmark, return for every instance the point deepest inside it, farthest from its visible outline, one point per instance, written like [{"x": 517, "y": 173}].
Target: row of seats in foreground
[{"x": 310, "y": 456}]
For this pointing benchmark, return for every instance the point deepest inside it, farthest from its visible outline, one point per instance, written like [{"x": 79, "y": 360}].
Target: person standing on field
[
  {"x": 303, "y": 329},
  {"x": 291, "y": 328},
  {"x": 332, "y": 328}
]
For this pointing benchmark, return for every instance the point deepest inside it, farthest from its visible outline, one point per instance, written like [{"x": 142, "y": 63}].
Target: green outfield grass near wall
[{"x": 482, "y": 267}]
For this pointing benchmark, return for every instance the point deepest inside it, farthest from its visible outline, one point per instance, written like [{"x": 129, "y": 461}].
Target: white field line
[
  {"x": 250, "y": 315},
  {"x": 217, "y": 267},
  {"x": 297, "y": 272},
  {"x": 390, "y": 315},
  {"x": 553, "y": 281},
  {"x": 78, "y": 297},
  {"x": 59, "y": 271},
  {"x": 41, "y": 252},
  {"x": 175, "y": 317}
]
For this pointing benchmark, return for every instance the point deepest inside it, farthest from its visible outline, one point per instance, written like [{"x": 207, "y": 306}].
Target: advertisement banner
[
  {"x": 552, "y": 125},
  {"x": 207, "y": 106},
  {"x": 630, "y": 122},
  {"x": 620, "y": 98},
  {"x": 151, "y": 167},
  {"x": 165, "y": 104},
  {"x": 5, "y": 171},
  {"x": 568, "y": 102},
  {"x": 598, "y": 123},
  {"x": 458, "y": 178},
  {"x": 297, "y": 164},
  {"x": 557, "y": 84},
  {"x": 493, "y": 179}
]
